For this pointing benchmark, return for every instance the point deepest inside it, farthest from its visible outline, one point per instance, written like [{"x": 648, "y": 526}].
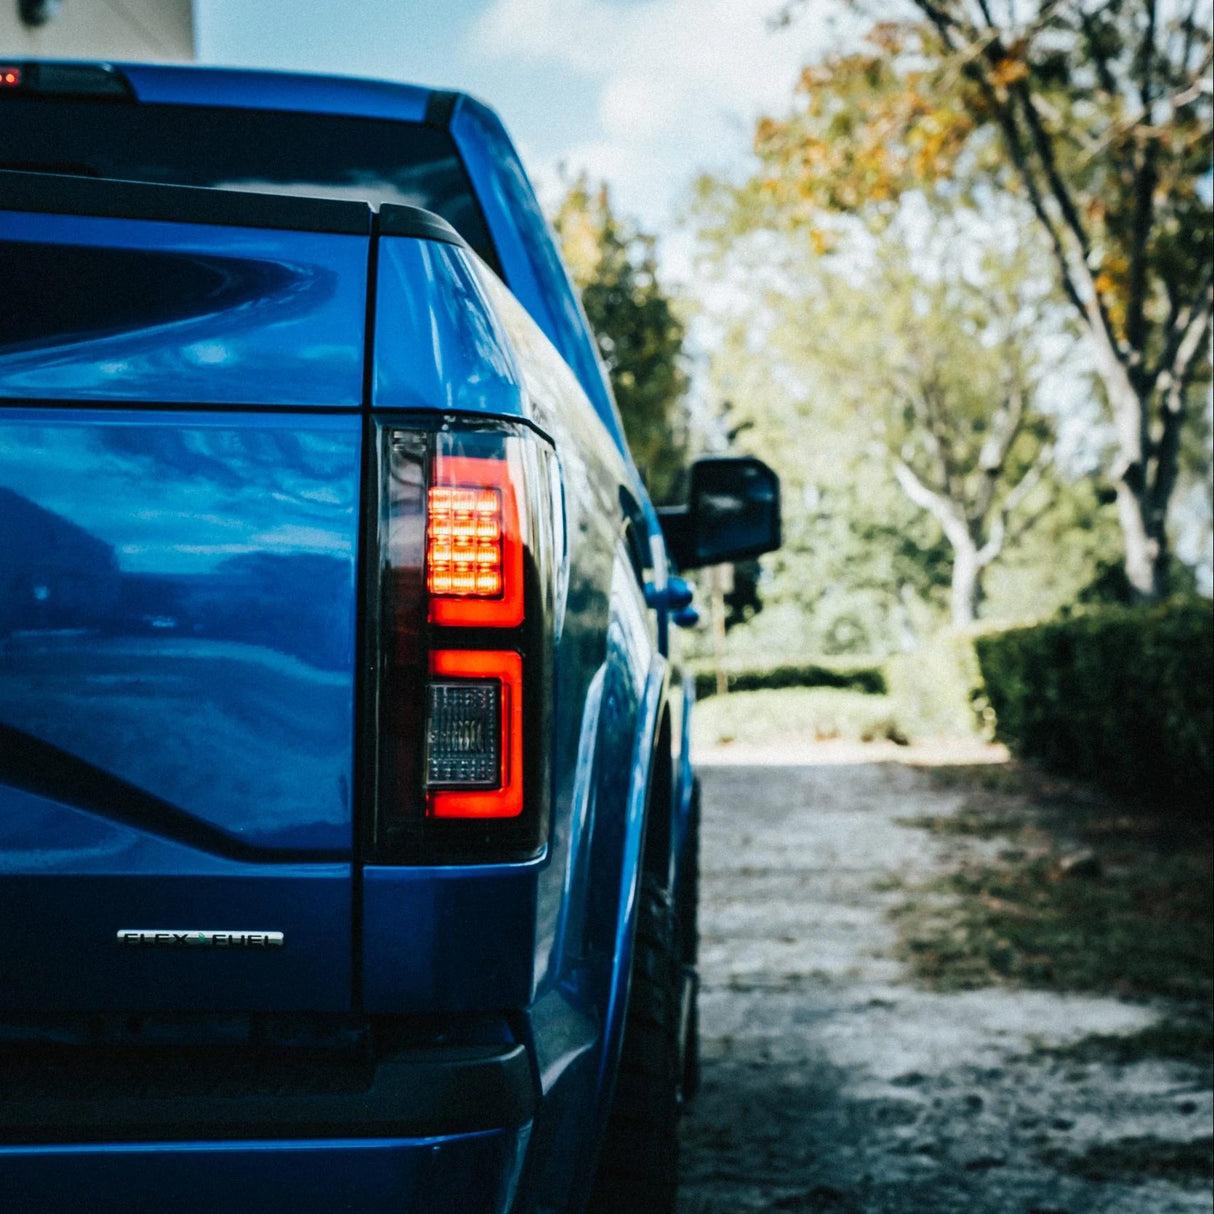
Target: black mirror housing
[{"x": 733, "y": 513}]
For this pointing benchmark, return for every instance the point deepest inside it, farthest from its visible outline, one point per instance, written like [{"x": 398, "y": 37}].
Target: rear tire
[{"x": 639, "y": 1164}]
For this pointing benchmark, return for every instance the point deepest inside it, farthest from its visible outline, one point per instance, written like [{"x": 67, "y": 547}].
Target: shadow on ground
[{"x": 831, "y": 1083}]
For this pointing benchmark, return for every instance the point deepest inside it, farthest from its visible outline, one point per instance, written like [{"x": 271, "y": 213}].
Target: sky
[{"x": 641, "y": 93}]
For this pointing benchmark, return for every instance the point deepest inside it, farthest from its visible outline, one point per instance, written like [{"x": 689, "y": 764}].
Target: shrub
[
  {"x": 794, "y": 716},
  {"x": 846, "y": 677},
  {"x": 937, "y": 689},
  {"x": 1122, "y": 696}
]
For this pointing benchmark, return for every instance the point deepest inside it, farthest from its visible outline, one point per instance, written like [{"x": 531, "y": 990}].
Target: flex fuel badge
[{"x": 144, "y": 937}]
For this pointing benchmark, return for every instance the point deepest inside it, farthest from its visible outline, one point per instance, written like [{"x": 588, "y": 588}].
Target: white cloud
[{"x": 680, "y": 82}]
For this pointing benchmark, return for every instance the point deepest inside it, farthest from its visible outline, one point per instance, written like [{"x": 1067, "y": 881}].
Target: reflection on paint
[
  {"x": 177, "y": 608},
  {"x": 439, "y": 344},
  {"x": 180, "y": 312}
]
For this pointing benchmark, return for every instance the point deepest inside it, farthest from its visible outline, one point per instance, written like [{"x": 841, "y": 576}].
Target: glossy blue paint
[
  {"x": 566, "y": 905},
  {"x": 141, "y": 310},
  {"x": 601, "y": 664},
  {"x": 454, "y": 939},
  {"x": 649, "y": 715},
  {"x": 468, "y": 1172},
  {"x": 438, "y": 342},
  {"x": 187, "y": 85},
  {"x": 620, "y": 906},
  {"x": 675, "y": 595},
  {"x": 682, "y": 695},
  {"x": 178, "y": 609}
]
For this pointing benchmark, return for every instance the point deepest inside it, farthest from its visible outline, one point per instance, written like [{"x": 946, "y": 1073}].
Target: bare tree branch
[
  {"x": 997, "y": 536},
  {"x": 992, "y": 456},
  {"x": 1145, "y": 179},
  {"x": 1075, "y": 271},
  {"x": 1181, "y": 335},
  {"x": 1088, "y": 22},
  {"x": 1026, "y": 522},
  {"x": 940, "y": 507},
  {"x": 1167, "y": 449}
]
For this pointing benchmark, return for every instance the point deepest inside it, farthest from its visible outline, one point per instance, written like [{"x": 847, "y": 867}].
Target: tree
[
  {"x": 937, "y": 377},
  {"x": 640, "y": 338},
  {"x": 948, "y": 382},
  {"x": 1099, "y": 117},
  {"x": 861, "y": 570}
]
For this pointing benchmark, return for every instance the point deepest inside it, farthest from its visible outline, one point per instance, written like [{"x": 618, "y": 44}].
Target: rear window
[{"x": 276, "y": 152}]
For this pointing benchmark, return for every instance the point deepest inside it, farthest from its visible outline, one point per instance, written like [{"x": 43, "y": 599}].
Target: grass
[
  {"x": 794, "y": 714},
  {"x": 1183, "y": 1039},
  {"x": 1085, "y": 895}
]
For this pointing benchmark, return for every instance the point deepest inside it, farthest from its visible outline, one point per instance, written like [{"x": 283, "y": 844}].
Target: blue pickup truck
[{"x": 347, "y": 824}]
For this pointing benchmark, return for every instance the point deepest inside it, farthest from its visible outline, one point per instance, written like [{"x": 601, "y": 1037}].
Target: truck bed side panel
[{"x": 111, "y": 309}]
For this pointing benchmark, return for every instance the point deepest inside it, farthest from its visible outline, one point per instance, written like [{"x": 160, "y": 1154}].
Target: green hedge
[
  {"x": 1122, "y": 696},
  {"x": 868, "y": 679}
]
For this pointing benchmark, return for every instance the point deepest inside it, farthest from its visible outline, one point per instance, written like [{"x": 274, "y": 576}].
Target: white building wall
[{"x": 139, "y": 30}]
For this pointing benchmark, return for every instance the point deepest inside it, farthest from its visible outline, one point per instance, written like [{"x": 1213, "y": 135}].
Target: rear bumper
[
  {"x": 80, "y": 1096},
  {"x": 436, "y": 1131},
  {"x": 458, "y": 1174}
]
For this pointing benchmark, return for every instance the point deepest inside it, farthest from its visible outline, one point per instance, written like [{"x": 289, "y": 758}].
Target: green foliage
[
  {"x": 1122, "y": 696},
  {"x": 860, "y": 566},
  {"x": 864, "y": 678},
  {"x": 937, "y": 369},
  {"x": 939, "y": 687},
  {"x": 1064, "y": 559},
  {"x": 794, "y": 716},
  {"x": 1094, "y": 119},
  {"x": 896, "y": 383},
  {"x": 955, "y": 103},
  {"x": 640, "y": 338}
]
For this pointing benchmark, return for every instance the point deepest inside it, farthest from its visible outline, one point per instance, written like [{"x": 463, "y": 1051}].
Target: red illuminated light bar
[
  {"x": 474, "y": 547},
  {"x": 506, "y": 669}
]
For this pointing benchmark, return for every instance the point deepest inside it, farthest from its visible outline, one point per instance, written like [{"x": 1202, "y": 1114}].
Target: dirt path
[{"x": 832, "y": 1084}]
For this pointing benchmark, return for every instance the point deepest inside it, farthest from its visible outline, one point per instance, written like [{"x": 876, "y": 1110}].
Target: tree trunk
[
  {"x": 967, "y": 585},
  {"x": 1144, "y": 540}
]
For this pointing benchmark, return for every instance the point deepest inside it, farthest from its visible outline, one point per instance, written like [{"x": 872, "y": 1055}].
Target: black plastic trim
[
  {"x": 416, "y": 1092},
  {"x": 396, "y": 219},
  {"x": 440, "y": 109},
  {"x": 68, "y": 78},
  {"x": 63, "y": 194}
]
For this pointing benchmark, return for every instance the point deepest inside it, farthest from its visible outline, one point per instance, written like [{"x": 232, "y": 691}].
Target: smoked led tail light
[{"x": 463, "y": 589}]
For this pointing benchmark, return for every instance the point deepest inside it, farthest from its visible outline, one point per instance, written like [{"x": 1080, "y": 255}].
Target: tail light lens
[
  {"x": 462, "y": 609},
  {"x": 474, "y": 545},
  {"x": 474, "y": 734}
]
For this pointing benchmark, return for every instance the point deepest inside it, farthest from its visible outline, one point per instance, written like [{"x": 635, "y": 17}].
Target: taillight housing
[{"x": 461, "y": 598}]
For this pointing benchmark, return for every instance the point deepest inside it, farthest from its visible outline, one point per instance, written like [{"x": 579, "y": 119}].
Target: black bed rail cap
[
  {"x": 108, "y": 198},
  {"x": 395, "y": 219}
]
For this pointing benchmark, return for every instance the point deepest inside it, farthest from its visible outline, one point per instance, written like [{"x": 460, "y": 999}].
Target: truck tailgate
[{"x": 180, "y": 440}]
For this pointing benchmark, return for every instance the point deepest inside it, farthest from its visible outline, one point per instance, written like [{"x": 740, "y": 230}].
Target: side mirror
[{"x": 733, "y": 513}]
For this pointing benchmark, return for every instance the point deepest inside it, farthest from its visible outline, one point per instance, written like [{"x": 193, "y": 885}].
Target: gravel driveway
[{"x": 832, "y": 1084}]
